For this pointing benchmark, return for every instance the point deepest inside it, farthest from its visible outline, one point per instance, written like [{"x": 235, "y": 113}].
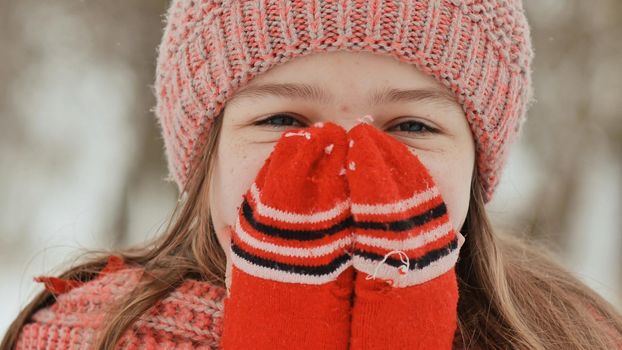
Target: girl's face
[{"x": 340, "y": 87}]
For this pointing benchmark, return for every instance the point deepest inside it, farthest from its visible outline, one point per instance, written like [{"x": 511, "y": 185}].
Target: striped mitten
[
  {"x": 405, "y": 248},
  {"x": 292, "y": 274}
]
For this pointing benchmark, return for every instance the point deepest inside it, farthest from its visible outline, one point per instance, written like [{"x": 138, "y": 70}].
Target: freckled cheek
[
  {"x": 451, "y": 172},
  {"x": 241, "y": 167}
]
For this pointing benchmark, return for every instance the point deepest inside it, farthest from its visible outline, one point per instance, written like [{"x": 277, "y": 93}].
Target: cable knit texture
[
  {"x": 189, "y": 318},
  {"x": 479, "y": 49}
]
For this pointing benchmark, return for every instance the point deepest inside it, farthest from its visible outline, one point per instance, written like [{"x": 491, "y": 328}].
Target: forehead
[
  {"x": 322, "y": 95},
  {"x": 328, "y": 77}
]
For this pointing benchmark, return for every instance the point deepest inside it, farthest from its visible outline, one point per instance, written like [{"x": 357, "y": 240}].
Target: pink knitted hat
[{"x": 479, "y": 49}]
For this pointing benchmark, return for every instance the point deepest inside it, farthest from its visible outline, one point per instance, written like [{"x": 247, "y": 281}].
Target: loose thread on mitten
[
  {"x": 403, "y": 270},
  {"x": 306, "y": 134}
]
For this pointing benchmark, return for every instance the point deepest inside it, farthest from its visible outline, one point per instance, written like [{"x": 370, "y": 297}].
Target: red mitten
[
  {"x": 292, "y": 274},
  {"x": 405, "y": 248}
]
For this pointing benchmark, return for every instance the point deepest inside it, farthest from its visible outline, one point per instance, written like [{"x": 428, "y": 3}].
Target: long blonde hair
[{"x": 513, "y": 294}]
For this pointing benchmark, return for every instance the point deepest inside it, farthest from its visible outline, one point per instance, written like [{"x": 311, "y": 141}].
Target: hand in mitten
[
  {"x": 291, "y": 277},
  {"x": 405, "y": 248}
]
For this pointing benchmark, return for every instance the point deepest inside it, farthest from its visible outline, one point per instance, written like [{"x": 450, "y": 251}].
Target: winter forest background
[{"x": 82, "y": 162}]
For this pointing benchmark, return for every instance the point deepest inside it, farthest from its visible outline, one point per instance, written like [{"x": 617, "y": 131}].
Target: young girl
[{"x": 334, "y": 160}]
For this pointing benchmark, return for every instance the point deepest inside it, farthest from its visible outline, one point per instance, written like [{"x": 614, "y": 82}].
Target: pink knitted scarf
[{"x": 188, "y": 318}]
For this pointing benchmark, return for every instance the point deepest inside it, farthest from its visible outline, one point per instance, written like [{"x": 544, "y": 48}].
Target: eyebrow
[{"x": 316, "y": 94}]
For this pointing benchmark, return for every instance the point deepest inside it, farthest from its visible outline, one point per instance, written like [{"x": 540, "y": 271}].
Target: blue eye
[
  {"x": 413, "y": 126},
  {"x": 284, "y": 120},
  {"x": 279, "y": 121}
]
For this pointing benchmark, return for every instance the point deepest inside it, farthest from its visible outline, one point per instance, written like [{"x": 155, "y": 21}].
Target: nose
[{"x": 368, "y": 119}]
